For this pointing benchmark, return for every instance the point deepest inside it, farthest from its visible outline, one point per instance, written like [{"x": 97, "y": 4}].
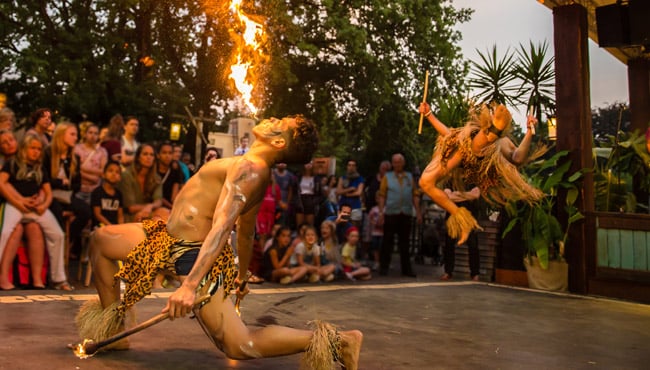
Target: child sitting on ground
[
  {"x": 277, "y": 258},
  {"x": 352, "y": 268},
  {"x": 308, "y": 255}
]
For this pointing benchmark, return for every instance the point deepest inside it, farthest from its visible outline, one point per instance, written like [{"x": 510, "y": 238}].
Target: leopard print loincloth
[{"x": 159, "y": 251}]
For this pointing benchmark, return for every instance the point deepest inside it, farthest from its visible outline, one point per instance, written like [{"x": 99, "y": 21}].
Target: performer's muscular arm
[{"x": 240, "y": 183}]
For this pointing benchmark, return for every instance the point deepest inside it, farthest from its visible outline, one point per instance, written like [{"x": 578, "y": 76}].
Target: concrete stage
[{"x": 408, "y": 324}]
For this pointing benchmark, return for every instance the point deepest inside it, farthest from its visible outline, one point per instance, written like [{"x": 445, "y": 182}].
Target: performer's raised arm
[
  {"x": 425, "y": 109},
  {"x": 519, "y": 155}
]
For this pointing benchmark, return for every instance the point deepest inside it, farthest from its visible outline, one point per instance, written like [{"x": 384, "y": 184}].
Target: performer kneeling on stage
[
  {"x": 193, "y": 245},
  {"x": 478, "y": 153}
]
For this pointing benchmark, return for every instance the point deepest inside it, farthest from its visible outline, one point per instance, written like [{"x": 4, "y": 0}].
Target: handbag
[{"x": 62, "y": 196}]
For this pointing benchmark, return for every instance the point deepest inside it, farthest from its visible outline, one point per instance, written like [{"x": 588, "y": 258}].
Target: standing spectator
[
  {"x": 285, "y": 180},
  {"x": 21, "y": 180},
  {"x": 277, "y": 258},
  {"x": 41, "y": 120},
  {"x": 370, "y": 191},
  {"x": 372, "y": 184},
  {"x": 310, "y": 195},
  {"x": 65, "y": 177},
  {"x": 141, "y": 188},
  {"x": 169, "y": 172},
  {"x": 93, "y": 158},
  {"x": 351, "y": 267},
  {"x": 106, "y": 199},
  {"x": 243, "y": 145},
  {"x": 112, "y": 140},
  {"x": 129, "y": 141},
  {"x": 376, "y": 231},
  {"x": 177, "y": 155},
  {"x": 397, "y": 197},
  {"x": 7, "y": 119},
  {"x": 350, "y": 189},
  {"x": 469, "y": 200},
  {"x": 266, "y": 215}
]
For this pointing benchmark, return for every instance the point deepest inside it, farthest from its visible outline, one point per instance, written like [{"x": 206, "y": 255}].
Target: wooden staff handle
[{"x": 424, "y": 99}]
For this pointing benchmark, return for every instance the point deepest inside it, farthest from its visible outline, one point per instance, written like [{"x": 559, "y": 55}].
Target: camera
[{"x": 345, "y": 217}]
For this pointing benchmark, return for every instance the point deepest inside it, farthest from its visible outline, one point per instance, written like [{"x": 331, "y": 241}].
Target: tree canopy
[{"x": 356, "y": 67}]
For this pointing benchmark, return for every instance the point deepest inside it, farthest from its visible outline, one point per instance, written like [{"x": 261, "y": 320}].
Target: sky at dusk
[{"x": 508, "y": 23}]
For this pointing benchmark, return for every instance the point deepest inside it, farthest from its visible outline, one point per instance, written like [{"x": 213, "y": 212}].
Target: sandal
[
  {"x": 64, "y": 285},
  {"x": 254, "y": 279}
]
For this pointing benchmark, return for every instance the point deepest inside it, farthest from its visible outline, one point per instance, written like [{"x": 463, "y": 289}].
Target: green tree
[
  {"x": 355, "y": 66},
  {"x": 493, "y": 80}
]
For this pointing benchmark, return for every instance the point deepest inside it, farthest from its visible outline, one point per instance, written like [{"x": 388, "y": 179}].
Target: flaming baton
[{"x": 239, "y": 71}]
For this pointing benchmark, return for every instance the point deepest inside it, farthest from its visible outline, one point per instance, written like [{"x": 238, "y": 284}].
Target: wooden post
[
  {"x": 638, "y": 76},
  {"x": 574, "y": 127}
]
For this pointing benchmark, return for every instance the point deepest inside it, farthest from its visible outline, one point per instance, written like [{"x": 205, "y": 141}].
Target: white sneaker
[
  {"x": 329, "y": 278},
  {"x": 314, "y": 278},
  {"x": 285, "y": 280}
]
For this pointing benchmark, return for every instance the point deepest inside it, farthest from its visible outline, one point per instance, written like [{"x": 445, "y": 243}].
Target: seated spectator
[
  {"x": 92, "y": 157},
  {"x": 106, "y": 199},
  {"x": 8, "y": 146},
  {"x": 277, "y": 266},
  {"x": 63, "y": 167},
  {"x": 329, "y": 248},
  {"x": 169, "y": 172},
  {"x": 308, "y": 255},
  {"x": 352, "y": 268},
  {"x": 141, "y": 188},
  {"x": 7, "y": 119},
  {"x": 41, "y": 121},
  {"x": 111, "y": 142},
  {"x": 129, "y": 140},
  {"x": 31, "y": 230},
  {"x": 21, "y": 180},
  {"x": 177, "y": 154}
]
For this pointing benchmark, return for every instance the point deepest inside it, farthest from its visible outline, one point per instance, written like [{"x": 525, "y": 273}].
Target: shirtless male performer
[{"x": 193, "y": 244}]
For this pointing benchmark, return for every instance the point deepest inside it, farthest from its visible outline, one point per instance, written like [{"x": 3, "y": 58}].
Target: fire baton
[{"x": 89, "y": 347}]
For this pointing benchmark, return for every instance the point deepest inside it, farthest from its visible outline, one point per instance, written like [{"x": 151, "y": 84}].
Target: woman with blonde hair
[
  {"x": 21, "y": 180},
  {"x": 63, "y": 167},
  {"x": 92, "y": 158}
]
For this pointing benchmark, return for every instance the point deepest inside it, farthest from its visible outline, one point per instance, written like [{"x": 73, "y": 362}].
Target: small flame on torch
[{"x": 239, "y": 70}]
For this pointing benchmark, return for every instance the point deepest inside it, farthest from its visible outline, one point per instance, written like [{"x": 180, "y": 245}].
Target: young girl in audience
[
  {"x": 277, "y": 259},
  {"x": 21, "y": 179},
  {"x": 352, "y": 268},
  {"x": 308, "y": 255},
  {"x": 92, "y": 157},
  {"x": 330, "y": 254},
  {"x": 63, "y": 168}
]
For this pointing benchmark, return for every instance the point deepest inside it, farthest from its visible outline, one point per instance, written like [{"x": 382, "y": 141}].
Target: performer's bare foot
[
  {"x": 352, "y": 340},
  {"x": 502, "y": 117}
]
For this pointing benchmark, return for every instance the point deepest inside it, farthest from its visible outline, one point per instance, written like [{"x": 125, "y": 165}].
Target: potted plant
[{"x": 543, "y": 236}]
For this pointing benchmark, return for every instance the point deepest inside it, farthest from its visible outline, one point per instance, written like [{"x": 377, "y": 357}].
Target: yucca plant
[{"x": 542, "y": 233}]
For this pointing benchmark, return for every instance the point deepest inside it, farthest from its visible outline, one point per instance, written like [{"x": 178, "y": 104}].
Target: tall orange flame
[{"x": 239, "y": 71}]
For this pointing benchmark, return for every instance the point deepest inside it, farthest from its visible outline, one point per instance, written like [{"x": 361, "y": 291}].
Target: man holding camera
[{"x": 342, "y": 221}]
